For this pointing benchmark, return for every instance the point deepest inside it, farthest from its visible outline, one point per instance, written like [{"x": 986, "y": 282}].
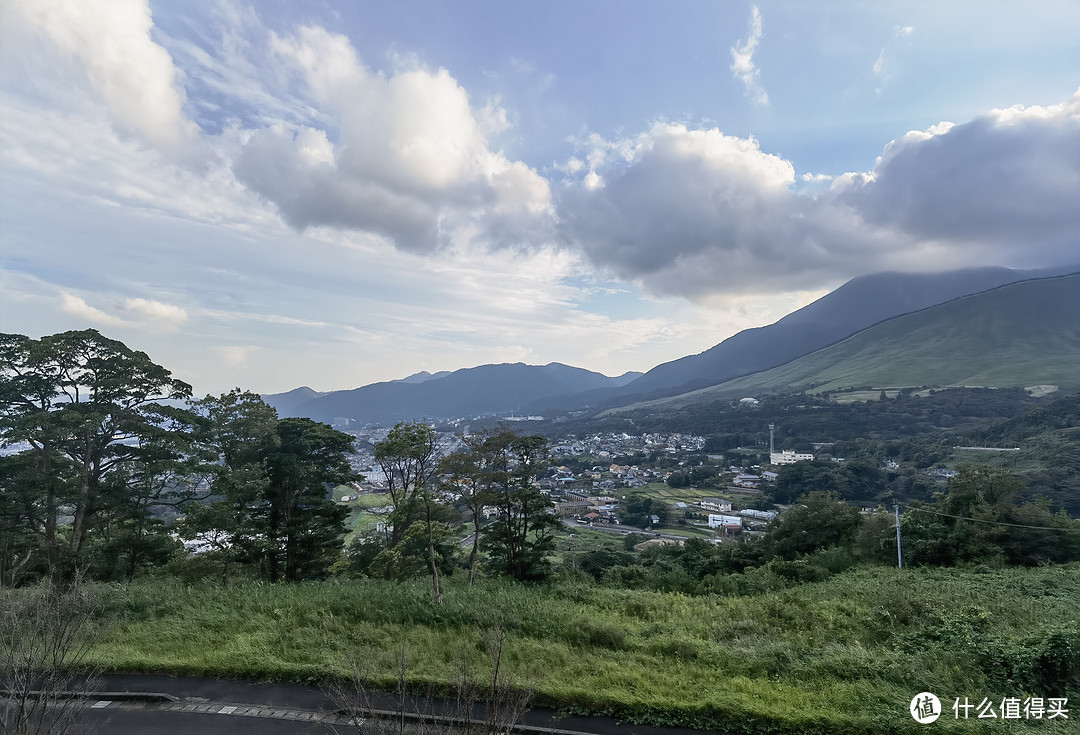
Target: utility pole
[{"x": 899, "y": 552}]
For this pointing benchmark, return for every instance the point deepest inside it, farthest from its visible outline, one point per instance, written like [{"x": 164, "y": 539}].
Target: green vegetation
[
  {"x": 805, "y": 628},
  {"x": 843, "y": 655},
  {"x": 1021, "y": 334},
  {"x": 110, "y": 458}
]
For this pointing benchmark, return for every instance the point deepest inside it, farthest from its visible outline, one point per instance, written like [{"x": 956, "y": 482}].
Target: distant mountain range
[
  {"x": 1019, "y": 334},
  {"x": 488, "y": 389},
  {"x": 861, "y": 307}
]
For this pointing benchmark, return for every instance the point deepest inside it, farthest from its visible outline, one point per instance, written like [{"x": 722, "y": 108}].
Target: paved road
[{"x": 205, "y": 706}]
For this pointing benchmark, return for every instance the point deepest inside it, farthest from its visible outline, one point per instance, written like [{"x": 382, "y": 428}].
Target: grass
[
  {"x": 844, "y": 655},
  {"x": 359, "y": 521},
  {"x": 664, "y": 493},
  {"x": 686, "y": 531}
]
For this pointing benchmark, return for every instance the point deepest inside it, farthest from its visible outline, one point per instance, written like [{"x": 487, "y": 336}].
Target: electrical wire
[{"x": 996, "y": 523}]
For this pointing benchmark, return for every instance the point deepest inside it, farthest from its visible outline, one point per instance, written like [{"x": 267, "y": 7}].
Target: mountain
[
  {"x": 462, "y": 393},
  {"x": 422, "y": 377},
  {"x": 854, "y": 306},
  {"x": 1019, "y": 334},
  {"x": 286, "y": 403}
]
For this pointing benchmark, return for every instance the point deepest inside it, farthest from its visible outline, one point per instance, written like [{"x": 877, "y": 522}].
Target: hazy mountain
[
  {"x": 1020, "y": 334},
  {"x": 854, "y": 306},
  {"x": 286, "y": 403},
  {"x": 462, "y": 393},
  {"x": 858, "y": 304},
  {"x": 626, "y": 378},
  {"x": 422, "y": 377}
]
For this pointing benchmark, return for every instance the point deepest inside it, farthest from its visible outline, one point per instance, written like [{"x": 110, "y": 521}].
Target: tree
[
  {"x": 638, "y": 509},
  {"x": 22, "y": 519},
  {"x": 408, "y": 458},
  {"x": 818, "y": 520},
  {"x": 266, "y": 486},
  {"x": 476, "y": 474},
  {"x": 302, "y": 527},
  {"x": 522, "y": 535},
  {"x": 88, "y": 399},
  {"x": 236, "y": 433},
  {"x": 977, "y": 520}
]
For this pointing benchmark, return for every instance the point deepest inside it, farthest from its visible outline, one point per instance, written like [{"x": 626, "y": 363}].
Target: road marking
[
  {"x": 226, "y": 710},
  {"x": 101, "y": 704}
]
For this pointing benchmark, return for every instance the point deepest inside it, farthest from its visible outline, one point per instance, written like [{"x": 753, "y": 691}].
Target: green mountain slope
[{"x": 1021, "y": 334}]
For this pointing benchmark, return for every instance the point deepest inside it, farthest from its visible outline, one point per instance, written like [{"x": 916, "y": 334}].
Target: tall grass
[{"x": 844, "y": 655}]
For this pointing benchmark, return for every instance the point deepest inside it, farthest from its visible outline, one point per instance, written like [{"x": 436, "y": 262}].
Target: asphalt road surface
[{"x": 204, "y": 706}]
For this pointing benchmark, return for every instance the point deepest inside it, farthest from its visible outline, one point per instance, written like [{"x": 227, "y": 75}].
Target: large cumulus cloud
[
  {"x": 411, "y": 160},
  {"x": 1007, "y": 180},
  {"x": 690, "y": 212},
  {"x": 695, "y": 211},
  {"x": 110, "y": 42},
  {"x": 409, "y": 156}
]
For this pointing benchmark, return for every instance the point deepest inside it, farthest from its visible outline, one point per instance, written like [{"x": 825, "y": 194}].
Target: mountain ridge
[
  {"x": 485, "y": 389},
  {"x": 492, "y": 389},
  {"x": 1018, "y": 334}
]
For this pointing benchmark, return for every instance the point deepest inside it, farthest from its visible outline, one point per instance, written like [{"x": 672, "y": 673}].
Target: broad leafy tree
[
  {"x": 236, "y": 433},
  {"x": 91, "y": 403},
  {"x": 818, "y": 520},
  {"x": 522, "y": 536},
  {"x": 475, "y": 475},
  {"x": 409, "y": 459}
]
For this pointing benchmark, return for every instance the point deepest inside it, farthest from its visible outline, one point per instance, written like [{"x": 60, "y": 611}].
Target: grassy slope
[
  {"x": 1018, "y": 335},
  {"x": 845, "y": 655}
]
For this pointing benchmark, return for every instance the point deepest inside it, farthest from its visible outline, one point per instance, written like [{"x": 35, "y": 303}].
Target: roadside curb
[
  {"x": 101, "y": 696},
  {"x": 170, "y": 702}
]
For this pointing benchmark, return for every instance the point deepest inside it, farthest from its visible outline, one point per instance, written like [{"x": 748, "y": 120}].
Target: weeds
[
  {"x": 844, "y": 654},
  {"x": 45, "y": 636}
]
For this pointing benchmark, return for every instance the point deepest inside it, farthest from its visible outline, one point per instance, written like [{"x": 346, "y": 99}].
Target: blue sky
[{"x": 333, "y": 193}]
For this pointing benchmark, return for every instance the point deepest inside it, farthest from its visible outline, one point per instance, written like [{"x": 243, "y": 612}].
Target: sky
[{"x": 328, "y": 193}]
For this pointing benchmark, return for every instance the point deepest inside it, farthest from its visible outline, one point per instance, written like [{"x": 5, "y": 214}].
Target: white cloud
[
  {"x": 410, "y": 159},
  {"x": 143, "y": 313},
  {"x": 157, "y": 311},
  {"x": 883, "y": 63},
  {"x": 77, "y": 307},
  {"x": 236, "y": 356},
  {"x": 110, "y": 42},
  {"x": 742, "y": 60},
  {"x": 201, "y": 263},
  {"x": 696, "y": 212},
  {"x": 879, "y": 65},
  {"x": 1005, "y": 179}
]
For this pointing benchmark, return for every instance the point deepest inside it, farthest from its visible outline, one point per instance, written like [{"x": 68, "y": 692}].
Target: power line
[{"x": 995, "y": 523}]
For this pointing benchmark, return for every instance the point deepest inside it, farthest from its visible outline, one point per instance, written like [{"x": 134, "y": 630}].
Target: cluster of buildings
[
  {"x": 603, "y": 477},
  {"x": 614, "y": 445}
]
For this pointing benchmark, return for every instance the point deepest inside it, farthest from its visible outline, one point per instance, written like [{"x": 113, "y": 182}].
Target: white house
[
  {"x": 730, "y": 525},
  {"x": 789, "y": 456}
]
